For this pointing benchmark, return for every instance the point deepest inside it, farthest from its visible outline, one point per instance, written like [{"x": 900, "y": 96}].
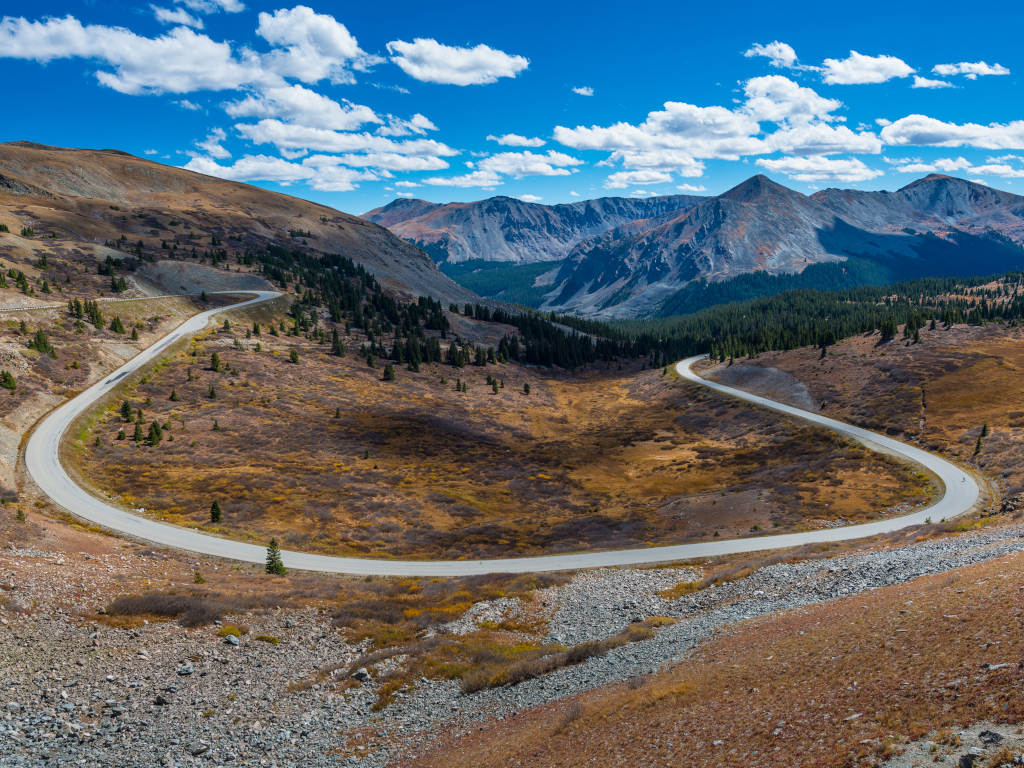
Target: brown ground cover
[
  {"x": 838, "y": 684},
  {"x": 941, "y": 392},
  {"x": 325, "y": 456}
]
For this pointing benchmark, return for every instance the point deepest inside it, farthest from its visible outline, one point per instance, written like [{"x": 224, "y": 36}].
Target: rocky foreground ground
[{"x": 77, "y": 691}]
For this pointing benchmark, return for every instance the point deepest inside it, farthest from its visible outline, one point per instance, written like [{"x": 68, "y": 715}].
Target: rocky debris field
[
  {"x": 982, "y": 744},
  {"x": 77, "y": 691}
]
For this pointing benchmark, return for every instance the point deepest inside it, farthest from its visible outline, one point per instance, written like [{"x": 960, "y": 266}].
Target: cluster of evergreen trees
[
  {"x": 820, "y": 318},
  {"x": 86, "y": 310}
]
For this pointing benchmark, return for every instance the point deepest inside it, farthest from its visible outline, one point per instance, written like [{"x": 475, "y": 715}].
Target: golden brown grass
[{"x": 413, "y": 468}]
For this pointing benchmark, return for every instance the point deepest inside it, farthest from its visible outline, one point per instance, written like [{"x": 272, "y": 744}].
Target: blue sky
[{"x": 354, "y": 104}]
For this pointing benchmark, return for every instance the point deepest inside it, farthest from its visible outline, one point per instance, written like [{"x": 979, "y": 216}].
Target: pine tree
[
  {"x": 120, "y": 434},
  {"x": 155, "y": 434},
  {"x": 389, "y": 373},
  {"x": 274, "y": 564},
  {"x": 135, "y": 334},
  {"x": 7, "y": 380},
  {"x": 214, "y": 362},
  {"x": 215, "y": 512},
  {"x": 138, "y": 437},
  {"x": 337, "y": 413},
  {"x": 212, "y": 394},
  {"x": 526, "y": 388},
  {"x": 174, "y": 396},
  {"x": 293, "y": 356},
  {"x": 116, "y": 325}
]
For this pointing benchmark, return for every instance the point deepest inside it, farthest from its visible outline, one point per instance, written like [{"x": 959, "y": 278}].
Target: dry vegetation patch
[{"x": 325, "y": 456}]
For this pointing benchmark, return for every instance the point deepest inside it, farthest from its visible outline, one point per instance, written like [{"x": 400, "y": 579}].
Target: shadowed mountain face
[
  {"x": 93, "y": 196},
  {"x": 510, "y": 230},
  {"x": 937, "y": 225}
]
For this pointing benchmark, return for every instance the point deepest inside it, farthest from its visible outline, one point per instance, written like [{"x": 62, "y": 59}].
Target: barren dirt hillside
[{"x": 95, "y": 196}]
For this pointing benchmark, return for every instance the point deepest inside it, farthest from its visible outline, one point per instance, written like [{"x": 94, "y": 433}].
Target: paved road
[{"x": 41, "y": 459}]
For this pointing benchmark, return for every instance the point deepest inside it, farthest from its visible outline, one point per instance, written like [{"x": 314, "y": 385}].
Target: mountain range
[
  {"x": 655, "y": 255},
  {"x": 510, "y": 230}
]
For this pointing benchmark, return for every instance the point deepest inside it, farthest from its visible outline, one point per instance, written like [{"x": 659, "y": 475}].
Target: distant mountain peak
[{"x": 756, "y": 187}]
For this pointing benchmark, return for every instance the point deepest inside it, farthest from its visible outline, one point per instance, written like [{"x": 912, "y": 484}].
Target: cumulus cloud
[
  {"x": 181, "y": 61},
  {"x": 176, "y": 16},
  {"x": 994, "y": 166},
  {"x": 691, "y": 188},
  {"x": 290, "y": 136},
  {"x": 252, "y": 168},
  {"x": 583, "y": 90},
  {"x": 320, "y": 173},
  {"x": 624, "y": 179},
  {"x": 212, "y": 6},
  {"x": 527, "y": 163},
  {"x": 779, "y": 54},
  {"x": 662, "y": 159},
  {"x": 859, "y": 69},
  {"x": 780, "y": 100},
  {"x": 530, "y": 198},
  {"x": 924, "y": 82},
  {"x": 921, "y": 130},
  {"x": 703, "y": 132},
  {"x": 820, "y": 168},
  {"x": 211, "y": 145},
  {"x": 311, "y": 46},
  {"x": 970, "y": 69},
  {"x": 515, "y": 140},
  {"x": 298, "y": 104},
  {"x": 482, "y": 179},
  {"x": 821, "y": 139},
  {"x": 417, "y": 124},
  {"x": 427, "y": 60}
]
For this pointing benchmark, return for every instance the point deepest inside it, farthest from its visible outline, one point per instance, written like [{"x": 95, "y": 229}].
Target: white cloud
[
  {"x": 583, "y": 90},
  {"x": 970, "y": 69},
  {"x": 691, "y": 188},
  {"x": 406, "y": 184},
  {"x": 418, "y": 124},
  {"x": 298, "y": 104},
  {"x": 924, "y": 82},
  {"x": 943, "y": 165},
  {"x": 405, "y": 194},
  {"x": 212, "y": 6},
  {"x": 574, "y": 193},
  {"x": 515, "y": 140},
  {"x": 150, "y": 152},
  {"x": 252, "y": 168},
  {"x": 181, "y": 61},
  {"x": 189, "y": 105},
  {"x": 311, "y": 46},
  {"x": 176, "y": 16},
  {"x": 821, "y": 139},
  {"x": 921, "y": 130},
  {"x": 211, "y": 145},
  {"x": 290, "y": 136},
  {"x": 624, "y": 179},
  {"x": 527, "y": 163},
  {"x": 483, "y": 179},
  {"x": 662, "y": 159},
  {"x": 703, "y": 132},
  {"x": 319, "y": 172},
  {"x": 820, "y": 168},
  {"x": 392, "y": 161},
  {"x": 780, "y": 100},
  {"x": 858, "y": 69},
  {"x": 779, "y": 54},
  {"x": 994, "y": 166},
  {"x": 427, "y": 60},
  {"x": 530, "y": 198}
]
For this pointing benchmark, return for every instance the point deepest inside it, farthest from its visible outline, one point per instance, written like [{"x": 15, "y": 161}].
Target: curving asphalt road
[{"x": 43, "y": 463}]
